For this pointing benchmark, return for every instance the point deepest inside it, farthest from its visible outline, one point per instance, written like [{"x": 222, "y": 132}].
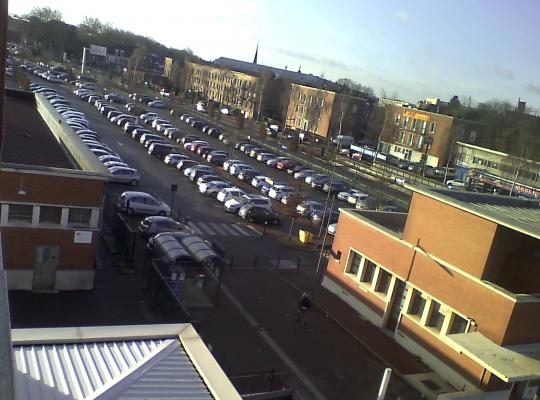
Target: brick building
[
  {"x": 455, "y": 281},
  {"x": 418, "y": 135},
  {"x": 324, "y": 112},
  {"x": 51, "y": 198},
  {"x": 238, "y": 90}
]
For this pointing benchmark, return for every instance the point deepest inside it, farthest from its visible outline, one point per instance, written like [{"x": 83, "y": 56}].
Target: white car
[
  {"x": 278, "y": 191},
  {"x": 234, "y": 204},
  {"x": 165, "y": 93},
  {"x": 332, "y": 229},
  {"x": 257, "y": 180},
  {"x": 227, "y": 164},
  {"x": 229, "y": 193},
  {"x": 213, "y": 188},
  {"x": 235, "y": 169}
]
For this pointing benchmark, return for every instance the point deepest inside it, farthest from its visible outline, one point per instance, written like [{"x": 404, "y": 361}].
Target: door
[
  {"x": 398, "y": 299},
  {"x": 45, "y": 268}
]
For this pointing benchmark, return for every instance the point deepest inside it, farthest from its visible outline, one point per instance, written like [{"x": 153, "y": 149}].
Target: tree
[
  {"x": 94, "y": 26},
  {"x": 44, "y": 14},
  {"x": 354, "y": 88}
]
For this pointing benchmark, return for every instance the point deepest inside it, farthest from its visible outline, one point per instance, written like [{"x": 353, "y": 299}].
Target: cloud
[
  {"x": 401, "y": 16},
  {"x": 504, "y": 72},
  {"x": 535, "y": 89},
  {"x": 313, "y": 58}
]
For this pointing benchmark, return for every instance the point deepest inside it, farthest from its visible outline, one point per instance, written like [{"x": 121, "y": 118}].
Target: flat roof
[
  {"x": 510, "y": 363},
  {"x": 27, "y": 138},
  {"x": 132, "y": 362},
  {"x": 522, "y": 215}
]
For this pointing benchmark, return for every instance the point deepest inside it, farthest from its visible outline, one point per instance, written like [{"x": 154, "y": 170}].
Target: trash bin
[
  {"x": 199, "y": 281},
  {"x": 304, "y": 236}
]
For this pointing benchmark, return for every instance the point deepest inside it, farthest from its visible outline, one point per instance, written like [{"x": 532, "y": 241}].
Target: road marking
[
  {"x": 239, "y": 229},
  {"x": 195, "y": 228},
  {"x": 217, "y": 227},
  {"x": 121, "y": 144}
]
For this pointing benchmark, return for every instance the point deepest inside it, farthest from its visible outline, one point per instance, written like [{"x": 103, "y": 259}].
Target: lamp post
[{"x": 428, "y": 142}]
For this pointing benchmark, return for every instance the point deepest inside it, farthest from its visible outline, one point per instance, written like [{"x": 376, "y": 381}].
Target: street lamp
[{"x": 428, "y": 142}]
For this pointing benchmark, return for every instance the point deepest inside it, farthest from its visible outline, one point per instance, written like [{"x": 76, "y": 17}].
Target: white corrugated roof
[{"x": 91, "y": 365}]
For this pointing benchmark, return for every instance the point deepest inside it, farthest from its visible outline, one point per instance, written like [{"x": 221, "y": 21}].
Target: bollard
[
  {"x": 255, "y": 263},
  {"x": 278, "y": 261},
  {"x": 299, "y": 259}
]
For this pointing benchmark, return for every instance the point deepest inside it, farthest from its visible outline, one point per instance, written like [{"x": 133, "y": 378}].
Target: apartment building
[
  {"x": 51, "y": 199},
  {"x": 455, "y": 281},
  {"x": 422, "y": 136},
  {"x": 235, "y": 89},
  {"x": 326, "y": 113},
  {"x": 488, "y": 170}
]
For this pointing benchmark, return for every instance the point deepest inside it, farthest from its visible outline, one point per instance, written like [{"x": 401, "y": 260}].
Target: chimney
[{"x": 520, "y": 106}]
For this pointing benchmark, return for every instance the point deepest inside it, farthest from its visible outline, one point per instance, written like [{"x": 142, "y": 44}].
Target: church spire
[{"x": 256, "y": 54}]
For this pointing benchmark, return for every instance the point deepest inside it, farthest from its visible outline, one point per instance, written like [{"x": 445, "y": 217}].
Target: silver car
[{"x": 125, "y": 175}]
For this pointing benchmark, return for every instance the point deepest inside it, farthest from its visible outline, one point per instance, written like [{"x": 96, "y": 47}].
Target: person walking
[{"x": 303, "y": 306}]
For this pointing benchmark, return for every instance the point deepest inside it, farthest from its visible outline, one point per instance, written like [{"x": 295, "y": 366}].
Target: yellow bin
[{"x": 305, "y": 236}]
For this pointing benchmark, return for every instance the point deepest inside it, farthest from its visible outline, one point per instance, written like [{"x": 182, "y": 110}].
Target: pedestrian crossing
[{"x": 223, "y": 229}]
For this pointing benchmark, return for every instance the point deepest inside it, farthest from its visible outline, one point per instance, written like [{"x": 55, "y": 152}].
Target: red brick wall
[
  {"x": 19, "y": 248},
  {"x": 49, "y": 189},
  {"x": 524, "y": 326},
  {"x": 460, "y": 238}
]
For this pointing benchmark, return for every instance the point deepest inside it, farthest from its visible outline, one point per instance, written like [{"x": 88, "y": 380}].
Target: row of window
[
  {"x": 415, "y": 124},
  {"x": 409, "y": 139},
  {"x": 305, "y": 99},
  {"x": 50, "y": 215},
  {"x": 420, "y": 306}
]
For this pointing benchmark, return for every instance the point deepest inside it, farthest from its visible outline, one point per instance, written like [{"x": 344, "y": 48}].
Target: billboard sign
[{"x": 98, "y": 50}]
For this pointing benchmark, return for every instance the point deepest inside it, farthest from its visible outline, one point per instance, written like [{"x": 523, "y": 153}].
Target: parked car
[
  {"x": 254, "y": 213},
  {"x": 213, "y": 188},
  {"x": 133, "y": 202},
  {"x": 234, "y": 204},
  {"x": 125, "y": 175},
  {"x": 306, "y": 207},
  {"x": 229, "y": 193},
  {"x": 174, "y": 158},
  {"x": 278, "y": 191},
  {"x": 151, "y": 226}
]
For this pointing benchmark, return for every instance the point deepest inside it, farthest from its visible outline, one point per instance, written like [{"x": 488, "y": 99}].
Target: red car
[{"x": 285, "y": 164}]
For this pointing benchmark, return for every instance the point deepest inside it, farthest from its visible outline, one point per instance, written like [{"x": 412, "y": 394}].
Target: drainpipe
[{"x": 3, "y": 43}]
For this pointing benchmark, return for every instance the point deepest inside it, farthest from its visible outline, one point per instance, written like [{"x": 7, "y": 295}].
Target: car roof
[
  {"x": 136, "y": 193},
  {"x": 160, "y": 218}
]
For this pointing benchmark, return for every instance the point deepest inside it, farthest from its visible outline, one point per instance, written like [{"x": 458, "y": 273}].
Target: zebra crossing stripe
[
  {"x": 217, "y": 228},
  {"x": 242, "y": 231},
  {"x": 195, "y": 228},
  {"x": 228, "y": 230},
  {"x": 206, "y": 229}
]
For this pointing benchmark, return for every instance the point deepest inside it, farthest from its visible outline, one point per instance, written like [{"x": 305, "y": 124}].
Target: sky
[{"x": 483, "y": 49}]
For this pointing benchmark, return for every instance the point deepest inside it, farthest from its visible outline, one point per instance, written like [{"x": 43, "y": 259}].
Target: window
[
  {"x": 459, "y": 325},
  {"x": 383, "y": 281},
  {"x": 402, "y": 137},
  {"x": 79, "y": 216},
  {"x": 50, "y": 215},
  {"x": 423, "y": 127},
  {"x": 368, "y": 272},
  {"x": 419, "y": 142},
  {"x": 436, "y": 317},
  {"x": 354, "y": 265},
  {"x": 472, "y": 136},
  {"x": 397, "y": 117},
  {"x": 406, "y": 122},
  {"x": 354, "y": 109},
  {"x": 411, "y": 138},
  {"x": 20, "y": 213},
  {"x": 432, "y": 126},
  {"x": 414, "y": 123},
  {"x": 417, "y": 304}
]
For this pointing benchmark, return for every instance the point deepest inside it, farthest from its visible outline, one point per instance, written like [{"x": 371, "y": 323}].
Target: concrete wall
[{"x": 65, "y": 280}]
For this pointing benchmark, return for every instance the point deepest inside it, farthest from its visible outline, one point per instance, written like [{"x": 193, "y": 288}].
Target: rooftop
[
  {"x": 27, "y": 139},
  {"x": 127, "y": 362},
  {"x": 295, "y": 76},
  {"x": 522, "y": 215},
  {"x": 390, "y": 221}
]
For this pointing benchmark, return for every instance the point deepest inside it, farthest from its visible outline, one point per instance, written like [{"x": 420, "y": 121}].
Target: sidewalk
[{"x": 375, "y": 340}]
